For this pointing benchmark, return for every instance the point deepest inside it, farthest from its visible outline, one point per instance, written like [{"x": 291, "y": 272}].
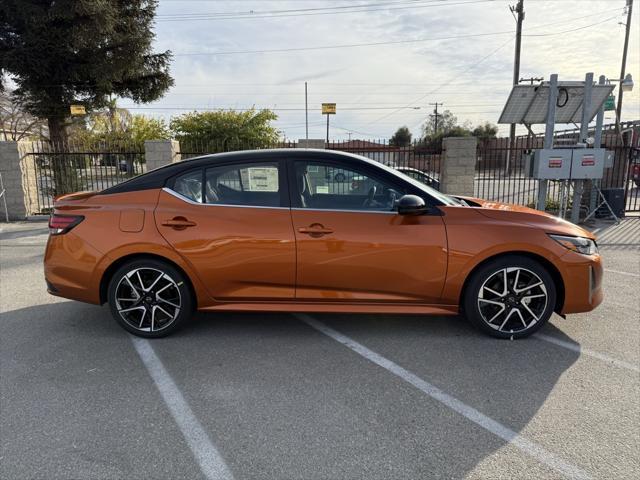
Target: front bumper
[{"x": 582, "y": 277}]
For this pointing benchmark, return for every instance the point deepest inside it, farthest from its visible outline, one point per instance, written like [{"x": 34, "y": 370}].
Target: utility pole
[
  {"x": 519, "y": 10},
  {"x": 306, "y": 111},
  {"x": 436, "y": 115},
  {"x": 624, "y": 63}
]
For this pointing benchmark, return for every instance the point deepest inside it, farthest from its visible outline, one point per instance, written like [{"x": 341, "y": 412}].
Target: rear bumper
[
  {"x": 69, "y": 268},
  {"x": 582, "y": 277}
]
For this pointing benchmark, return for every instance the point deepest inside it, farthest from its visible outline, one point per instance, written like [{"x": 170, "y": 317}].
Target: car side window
[
  {"x": 190, "y": 185},
  {"x": 336, "y": 187},
  {"x": 250, "y": 184}
]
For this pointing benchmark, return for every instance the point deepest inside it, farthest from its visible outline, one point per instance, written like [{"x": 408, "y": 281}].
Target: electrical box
[
  {"x": 549, "y": 164},
  {"x": 587, "y": 163},
  {"x": 566, "y": 163}
]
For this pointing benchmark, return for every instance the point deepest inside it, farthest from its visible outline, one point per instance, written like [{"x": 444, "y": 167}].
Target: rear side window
[
  {"x": 252, "y": 184},
  {"x": 190, "y": 185}
]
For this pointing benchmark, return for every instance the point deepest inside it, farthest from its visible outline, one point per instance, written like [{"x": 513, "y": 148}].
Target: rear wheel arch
[
  {"x": 113, "y": 268},
  {"x": 550, "y": 267}
]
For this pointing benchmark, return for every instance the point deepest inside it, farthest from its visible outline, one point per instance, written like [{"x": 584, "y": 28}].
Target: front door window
[{"x": 336, "y": 187}]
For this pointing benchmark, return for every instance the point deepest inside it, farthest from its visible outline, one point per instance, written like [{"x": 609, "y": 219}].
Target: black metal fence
[
  {"x": 408, "y": 158},
  {"x": 195, "y": 148},
  {"x": 68, "y": 168},
  {"x": 499, "y": 175}
]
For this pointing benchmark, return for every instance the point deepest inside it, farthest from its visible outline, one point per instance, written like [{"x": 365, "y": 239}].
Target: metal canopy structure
[
  {"x": 529, "y": 104},
  {"x": 554, "y": 102}
]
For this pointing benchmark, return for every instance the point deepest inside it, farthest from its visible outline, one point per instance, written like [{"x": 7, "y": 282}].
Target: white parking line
[
  {"x": 209, "y": 459},
  {"x": 592, "y": 353},
  {"x": 527, "y": 446},
  {"x": 622, "y": 273}
]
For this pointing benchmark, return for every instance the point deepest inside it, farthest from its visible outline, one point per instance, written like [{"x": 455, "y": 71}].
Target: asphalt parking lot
[{"x": 255, "y": 396}]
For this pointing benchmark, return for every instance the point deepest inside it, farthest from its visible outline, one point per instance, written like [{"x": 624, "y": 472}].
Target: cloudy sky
[{"x": 382, "y": 61}]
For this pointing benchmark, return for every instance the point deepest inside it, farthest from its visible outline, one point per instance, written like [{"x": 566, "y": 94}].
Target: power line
[
  {"x": 416, "y": 5},
  {"x": 348, "y": 45},
  {"x": 276, "y": 109},
  {"x": 253, "y": 12},
  {"x": 486, "y": 57},
  {"x": 391, "y": 42},
  {"x": 294, "y": 10},
  {"x": 411, "y": 4},
  {"x": 422, "y": 97},
  {"x": 290, "y": 85}
]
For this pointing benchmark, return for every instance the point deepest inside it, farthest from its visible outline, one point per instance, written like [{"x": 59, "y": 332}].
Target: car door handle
[
  {"x": 179, "y": 223},
  {"x": 315, "y": 230}
]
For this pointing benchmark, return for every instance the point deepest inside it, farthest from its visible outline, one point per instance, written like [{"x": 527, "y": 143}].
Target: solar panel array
[{"x": 527, "y": 104}]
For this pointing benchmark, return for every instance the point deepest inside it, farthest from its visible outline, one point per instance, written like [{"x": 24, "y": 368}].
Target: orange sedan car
[{"x": 272, "y": 230}]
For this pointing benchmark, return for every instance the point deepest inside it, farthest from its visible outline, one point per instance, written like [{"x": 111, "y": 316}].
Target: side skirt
[{"x": 310, "y": 307}]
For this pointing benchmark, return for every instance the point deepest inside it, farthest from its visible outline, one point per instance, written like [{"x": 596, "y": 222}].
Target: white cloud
[{"x": 388, "y": 75}]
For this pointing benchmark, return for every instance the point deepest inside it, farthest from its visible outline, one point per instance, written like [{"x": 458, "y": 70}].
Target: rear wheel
[
  {"x": 510, "y": 297},
  {"x": 150, "y": 298}
]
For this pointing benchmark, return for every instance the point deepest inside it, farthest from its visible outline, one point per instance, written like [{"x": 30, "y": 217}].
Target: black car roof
[{"x": 157, "y": 178}]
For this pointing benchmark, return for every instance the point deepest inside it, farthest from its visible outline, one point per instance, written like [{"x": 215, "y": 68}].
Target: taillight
[{"x": 59, "y": 224}]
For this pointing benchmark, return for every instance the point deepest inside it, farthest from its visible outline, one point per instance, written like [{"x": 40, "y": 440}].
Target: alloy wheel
[
  {"x": 512, "y": 300},
  {"x": 148, "y": 299}
]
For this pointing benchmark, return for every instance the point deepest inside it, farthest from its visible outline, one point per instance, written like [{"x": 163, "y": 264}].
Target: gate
[{"x": 72, "y": 168}]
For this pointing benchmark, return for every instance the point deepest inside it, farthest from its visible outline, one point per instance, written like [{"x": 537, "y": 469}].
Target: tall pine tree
[{"x": 64, "y": 52}]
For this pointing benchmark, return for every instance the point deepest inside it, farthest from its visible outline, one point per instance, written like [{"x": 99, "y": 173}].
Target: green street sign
[{"x": 610, "y": 103}]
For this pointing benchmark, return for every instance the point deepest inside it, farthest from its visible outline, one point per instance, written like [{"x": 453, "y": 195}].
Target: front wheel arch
[
  {"x": 113, "y": 268},
  {"x": 550, "y": 267}
]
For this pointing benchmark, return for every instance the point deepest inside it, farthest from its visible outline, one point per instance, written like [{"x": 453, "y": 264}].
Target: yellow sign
[
  {"x": 77, "y": 110},
  {"x": 328, "y": 108}
]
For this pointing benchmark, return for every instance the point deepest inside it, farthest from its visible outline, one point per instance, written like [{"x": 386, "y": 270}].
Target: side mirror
[{"x": 411, "y": 205}]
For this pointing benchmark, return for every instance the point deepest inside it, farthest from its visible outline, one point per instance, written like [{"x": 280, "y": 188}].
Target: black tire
[
  {"x": 155, "y": 320},
  {"x": 479, "y": 308}
]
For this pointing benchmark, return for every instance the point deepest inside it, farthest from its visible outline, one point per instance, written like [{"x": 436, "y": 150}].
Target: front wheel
[
  {"x": 510, "y": 297},
  {"x": 150, "y": 298}
]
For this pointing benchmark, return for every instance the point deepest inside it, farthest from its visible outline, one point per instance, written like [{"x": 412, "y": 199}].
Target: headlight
[{"x": 586, "y": 246}]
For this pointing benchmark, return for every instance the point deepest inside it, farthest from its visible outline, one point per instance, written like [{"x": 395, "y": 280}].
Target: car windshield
[{"x": 445, "y": 199}]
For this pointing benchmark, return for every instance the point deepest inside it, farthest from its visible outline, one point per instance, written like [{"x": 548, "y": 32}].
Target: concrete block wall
[
  {"x": 158, "y": 153},
  {"x": 458, "y": 168},
  {"x": 19, "y": 180}
]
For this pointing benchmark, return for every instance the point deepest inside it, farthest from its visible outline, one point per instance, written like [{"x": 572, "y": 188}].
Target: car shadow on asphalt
[
  {"x": 271, "y": 355},
  {"x": 31, "y": 232}
]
